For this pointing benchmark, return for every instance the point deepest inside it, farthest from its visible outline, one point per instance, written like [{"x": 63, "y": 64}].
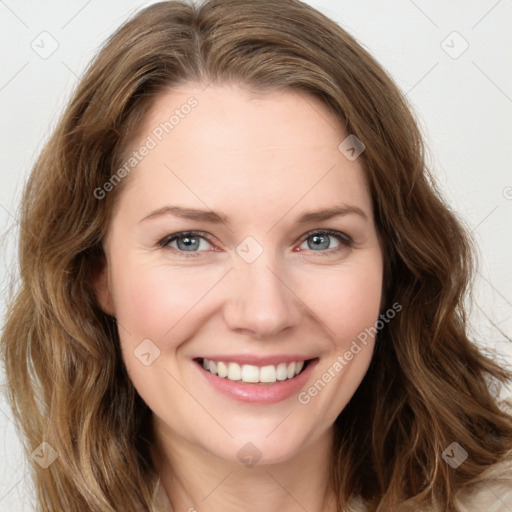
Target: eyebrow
[{"x": 212, "y": 217}]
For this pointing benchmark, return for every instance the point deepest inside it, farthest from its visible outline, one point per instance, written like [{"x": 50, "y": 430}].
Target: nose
[{"x": 261, "y": 302}]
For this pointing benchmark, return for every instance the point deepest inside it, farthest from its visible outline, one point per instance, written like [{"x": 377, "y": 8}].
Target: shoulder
[{"x": 493, "y": 493}]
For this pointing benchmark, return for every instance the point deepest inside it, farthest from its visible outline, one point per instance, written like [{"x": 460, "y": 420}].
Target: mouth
[
  {"x": 259, "y": 381},
  {"x": 268, "y": 374}
]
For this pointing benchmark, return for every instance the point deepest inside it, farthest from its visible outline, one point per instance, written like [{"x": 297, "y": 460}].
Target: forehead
[
  {"x": 223, "y": 143},
  {"x": 249, "y": 118}
]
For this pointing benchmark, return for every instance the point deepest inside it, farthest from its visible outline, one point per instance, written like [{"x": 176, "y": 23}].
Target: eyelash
[{"x": 345, "y": 241}]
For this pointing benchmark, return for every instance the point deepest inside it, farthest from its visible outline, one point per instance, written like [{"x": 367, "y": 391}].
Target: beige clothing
[
  {"x": 492, "y": 496},
  {"x": 161, "y": 501}
]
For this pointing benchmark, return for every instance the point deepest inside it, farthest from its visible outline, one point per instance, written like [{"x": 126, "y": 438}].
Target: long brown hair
[{"x": 427, "y": 383}]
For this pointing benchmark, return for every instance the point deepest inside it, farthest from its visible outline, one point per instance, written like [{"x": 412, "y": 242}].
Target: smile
[
  {"x": 256, "y": 380},
  {"x": 253, "y": 374}
]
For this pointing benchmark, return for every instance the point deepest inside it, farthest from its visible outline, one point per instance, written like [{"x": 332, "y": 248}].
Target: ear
[{"x": 101, "y": 285}]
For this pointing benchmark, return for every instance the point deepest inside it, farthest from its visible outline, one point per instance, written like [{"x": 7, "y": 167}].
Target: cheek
[
  {"x": 156, "y": 310},
  {"x": 345, "y": 300},
  {"x": 150, "y": 300}
]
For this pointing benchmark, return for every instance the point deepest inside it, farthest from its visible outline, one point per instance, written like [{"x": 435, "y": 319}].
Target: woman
[{"x": 239, "y": 287}]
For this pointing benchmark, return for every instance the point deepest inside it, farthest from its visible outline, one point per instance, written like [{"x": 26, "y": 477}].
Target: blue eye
[
  {"x": 187, "y": 242},
  {"x": 193, "y": 243},
  {"x": 322, "y": 241}
]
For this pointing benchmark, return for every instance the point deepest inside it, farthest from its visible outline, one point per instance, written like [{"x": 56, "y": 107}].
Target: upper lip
[{"x": 257, "y": 360}]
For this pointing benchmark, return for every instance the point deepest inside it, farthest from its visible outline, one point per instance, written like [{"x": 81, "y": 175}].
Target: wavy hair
[{"x": 426, "y": 386}]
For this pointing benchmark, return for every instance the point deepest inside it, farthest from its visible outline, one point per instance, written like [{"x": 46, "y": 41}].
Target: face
[{"x": 243, "y": 242}]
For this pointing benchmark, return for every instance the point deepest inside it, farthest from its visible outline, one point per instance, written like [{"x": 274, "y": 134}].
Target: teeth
[
  {"x": 282, "y": 371},
  {"x": 268, "y": 373},
  {"x": 222, "y": 369},
  {"x": 250, "y": 373},
  {"x": 234, "y": 371}
]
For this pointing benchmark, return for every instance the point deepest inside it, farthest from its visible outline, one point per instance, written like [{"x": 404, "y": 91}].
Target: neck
[{"x": 195, "y": 479}]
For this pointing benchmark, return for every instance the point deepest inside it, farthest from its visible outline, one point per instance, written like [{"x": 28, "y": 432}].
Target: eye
[
  {"x": 325, "y": 241},
  {"x": 192, "y": 243},
  {"x": 189, "y": 242}
]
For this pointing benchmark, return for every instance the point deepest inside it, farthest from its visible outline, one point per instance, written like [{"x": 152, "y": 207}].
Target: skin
[{"x": 262, "y": 161}]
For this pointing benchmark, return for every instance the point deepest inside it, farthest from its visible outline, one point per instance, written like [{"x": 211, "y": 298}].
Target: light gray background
[{"x": 463, "y": 102}]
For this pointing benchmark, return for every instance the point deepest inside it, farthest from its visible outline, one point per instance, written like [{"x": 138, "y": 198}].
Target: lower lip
[{"x": 258, "y": 393}]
